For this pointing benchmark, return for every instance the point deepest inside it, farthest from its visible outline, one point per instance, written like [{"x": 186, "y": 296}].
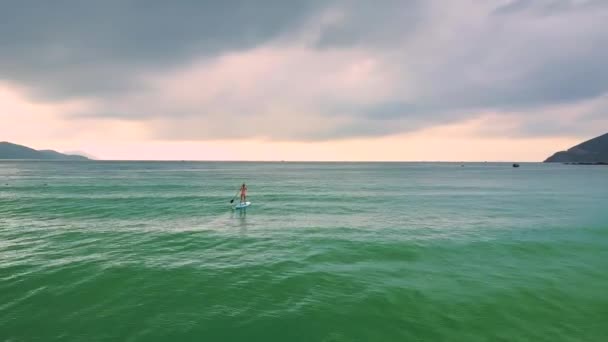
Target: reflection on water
[{"x": 241, "y": 217}]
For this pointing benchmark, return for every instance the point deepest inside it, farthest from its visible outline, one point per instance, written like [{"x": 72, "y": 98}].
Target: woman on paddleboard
[{"x": 243, "y": 193}]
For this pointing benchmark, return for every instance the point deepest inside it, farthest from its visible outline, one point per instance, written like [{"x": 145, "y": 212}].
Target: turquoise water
[{"x": 151, "y": 251}]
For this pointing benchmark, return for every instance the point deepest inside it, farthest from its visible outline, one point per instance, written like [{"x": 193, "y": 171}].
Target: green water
[{"x": 132, "y": 251}]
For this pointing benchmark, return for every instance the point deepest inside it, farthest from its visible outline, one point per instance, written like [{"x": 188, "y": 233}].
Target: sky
[{"x": 406, "y": 80}]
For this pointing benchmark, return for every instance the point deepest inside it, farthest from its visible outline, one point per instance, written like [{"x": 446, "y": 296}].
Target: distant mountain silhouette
[
  {"x": 591, "y": 151},
  {"x": 14, "y": 151}
]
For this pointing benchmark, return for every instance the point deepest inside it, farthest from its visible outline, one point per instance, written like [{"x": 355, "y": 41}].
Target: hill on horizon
[
  {"x": 591, "y": 151},
  {"x": 14, "y": 151}
]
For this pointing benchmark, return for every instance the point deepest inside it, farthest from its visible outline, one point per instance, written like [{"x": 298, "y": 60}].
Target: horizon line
[{"x": 273, "y": 161}]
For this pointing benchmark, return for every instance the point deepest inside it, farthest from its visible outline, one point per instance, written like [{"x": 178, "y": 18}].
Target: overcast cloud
[{"x": 314, "y": 70}]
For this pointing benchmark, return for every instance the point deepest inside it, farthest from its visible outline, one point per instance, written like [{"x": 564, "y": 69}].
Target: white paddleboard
[{"x": 242, "y": 205}]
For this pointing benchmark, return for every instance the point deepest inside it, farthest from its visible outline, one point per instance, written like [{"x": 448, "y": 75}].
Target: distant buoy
[{"x": 516, "y": 165}]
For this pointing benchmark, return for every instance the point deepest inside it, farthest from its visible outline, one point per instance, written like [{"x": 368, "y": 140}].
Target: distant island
[
  {"x": 594, "y": 151},
  {"x": 13, "y": 151}
]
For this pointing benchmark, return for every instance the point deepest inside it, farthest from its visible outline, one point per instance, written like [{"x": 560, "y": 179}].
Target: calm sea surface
[{"x": 151, "y": 251}]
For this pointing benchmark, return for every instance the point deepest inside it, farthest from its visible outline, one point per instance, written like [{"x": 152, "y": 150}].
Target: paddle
[{"x": 237, "y": 193}]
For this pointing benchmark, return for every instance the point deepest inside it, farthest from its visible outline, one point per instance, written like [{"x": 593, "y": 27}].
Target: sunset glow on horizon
[{"x": 331, "y": 81}]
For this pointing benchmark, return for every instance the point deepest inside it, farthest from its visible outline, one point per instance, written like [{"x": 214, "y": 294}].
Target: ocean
[{"x": 152, "y": 251}]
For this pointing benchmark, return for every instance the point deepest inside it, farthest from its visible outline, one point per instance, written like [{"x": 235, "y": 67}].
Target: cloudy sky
[{"x": 304, "y": 80}]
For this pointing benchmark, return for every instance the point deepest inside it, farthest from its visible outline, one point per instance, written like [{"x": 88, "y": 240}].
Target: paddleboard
[{"x": 242, "y": 205}]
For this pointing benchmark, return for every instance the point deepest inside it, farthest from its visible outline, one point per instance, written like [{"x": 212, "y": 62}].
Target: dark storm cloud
[
  {"x": 575, "y": 77},
  {"x": 541, "y": 57},
  {"x": 65, "y": 48},
  {"x": 372, "y": 23},
  {"x": 547, "y": 7}
]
